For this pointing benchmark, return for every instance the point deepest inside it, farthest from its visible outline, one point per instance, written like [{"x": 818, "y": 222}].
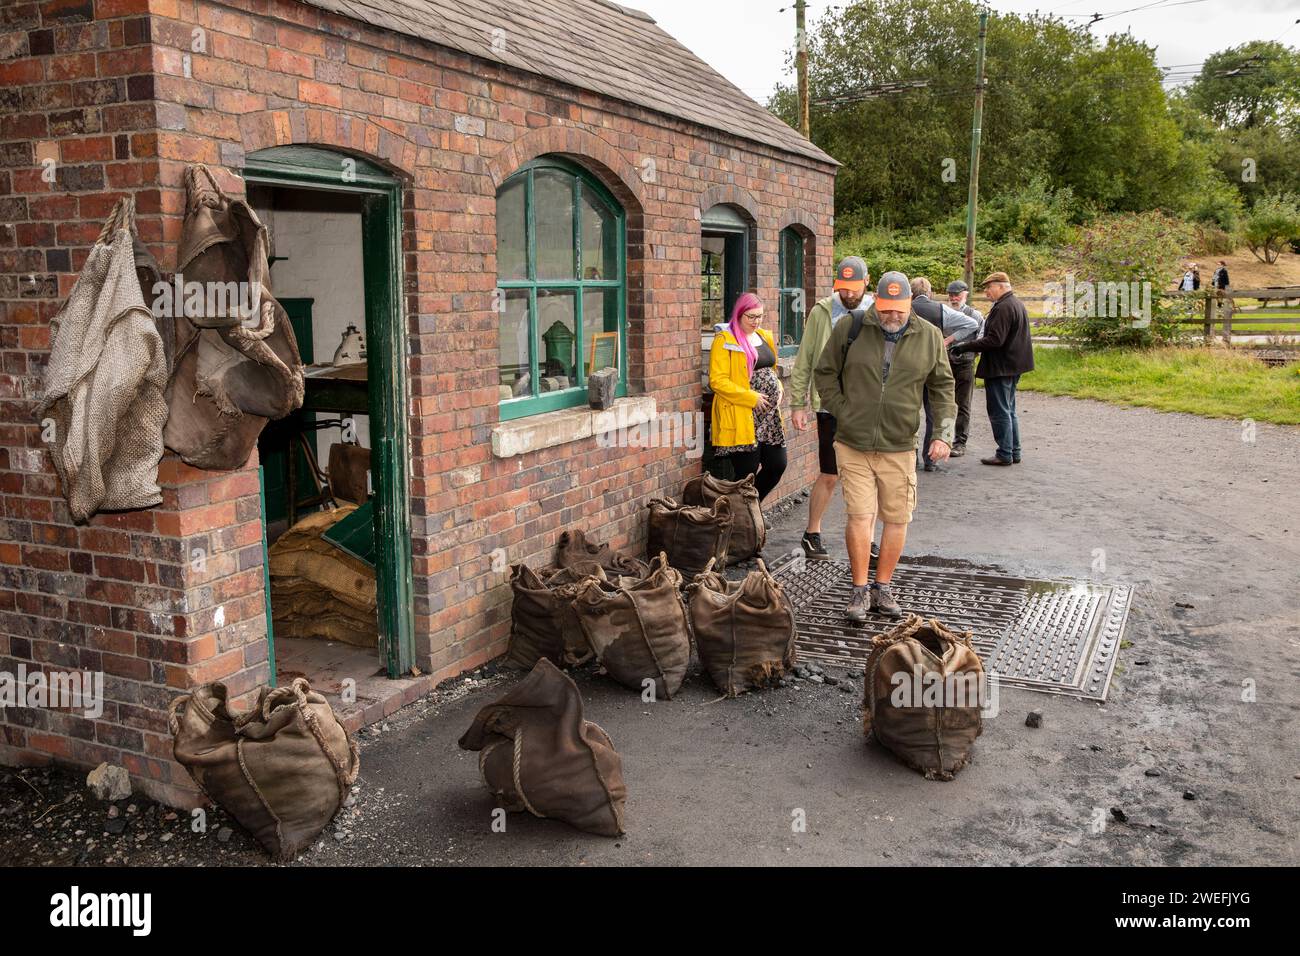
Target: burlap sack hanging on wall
[
  {"x": 538, "y": 753},
  {"x": 282, "y": 770},
  {"x": 237, "y": 361},
  {"x": 748, "y": 530},
  {"x": 101, "y": 406},
  {"x": 690, "y": 536},
  {"x": 744, "y": 630},
  {"x": 574, "y": 550},
  {"x": 936, "y": 733},
  {"x": 638, "y": 628}
]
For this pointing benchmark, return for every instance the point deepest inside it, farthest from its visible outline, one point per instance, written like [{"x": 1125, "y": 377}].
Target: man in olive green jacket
[
  {"x": 849, "y": 295},
  {"x": 874, "y": 387}
]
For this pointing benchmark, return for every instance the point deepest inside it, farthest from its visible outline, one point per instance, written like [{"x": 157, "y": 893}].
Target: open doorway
[
  {"x": 334, "y": 474},
  {"x": 725, "y": 251}
]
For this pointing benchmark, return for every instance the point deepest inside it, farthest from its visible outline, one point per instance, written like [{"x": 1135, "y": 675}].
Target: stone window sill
[{"x": 523, "y": 435}]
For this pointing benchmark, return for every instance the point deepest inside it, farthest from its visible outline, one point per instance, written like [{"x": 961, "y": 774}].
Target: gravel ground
[{"x": 1193, "y": 759}]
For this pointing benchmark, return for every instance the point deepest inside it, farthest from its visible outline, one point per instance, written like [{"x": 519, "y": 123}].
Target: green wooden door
[{"x": 309, "y": 167}]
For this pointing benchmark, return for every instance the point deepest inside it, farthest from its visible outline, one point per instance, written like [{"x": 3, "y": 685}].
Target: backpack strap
[{"x": 854, "y": 330}]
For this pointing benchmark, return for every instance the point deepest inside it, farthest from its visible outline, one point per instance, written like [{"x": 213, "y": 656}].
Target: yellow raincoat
[{"x": 733, "y": 399}]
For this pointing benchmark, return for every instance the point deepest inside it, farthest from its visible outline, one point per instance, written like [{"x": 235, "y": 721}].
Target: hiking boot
[
  {"x": 875, "y": 550},
  {"x": 812, "y": 547},
  {"x": 957, "y": 451},
  {"x": 882, "y": 601},
  {"x": 995, "y": 460},
  {"x": 858, "y": 605}
]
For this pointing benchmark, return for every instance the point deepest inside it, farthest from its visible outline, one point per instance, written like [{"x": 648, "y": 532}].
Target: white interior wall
[{"x": 316, "y": 238}]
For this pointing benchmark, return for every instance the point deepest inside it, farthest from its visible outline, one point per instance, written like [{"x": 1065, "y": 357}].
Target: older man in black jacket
[{"x": 1006, "y": 353}]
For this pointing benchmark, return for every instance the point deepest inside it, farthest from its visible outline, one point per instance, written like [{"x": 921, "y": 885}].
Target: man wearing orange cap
[
  {"x": 849, "y": 297},
  {"x": 871, "y": 376}
]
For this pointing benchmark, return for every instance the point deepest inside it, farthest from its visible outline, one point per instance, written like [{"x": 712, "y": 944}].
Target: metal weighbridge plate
[{"x": 1057, "y": 636}]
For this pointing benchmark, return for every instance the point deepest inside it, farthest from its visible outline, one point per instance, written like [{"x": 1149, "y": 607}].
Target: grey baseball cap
[
  {"x": 851, "y": 275},
  {"x": 956, "y": 286},
  {"x": 894, "y": 292}
]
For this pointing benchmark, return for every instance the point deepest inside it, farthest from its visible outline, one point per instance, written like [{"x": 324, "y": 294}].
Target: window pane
[
  {"x": 557, "y": 340},
  {"x": 512, "y": 235},
  {"x": 553, "y": 210},
  {"x": 791, "y": 259},
  {"x": 513, "y": 346},
  {"x": 791, "y": 318},
  {"x": 599, "y": 315},
  {"x": 599, "y": 238}
]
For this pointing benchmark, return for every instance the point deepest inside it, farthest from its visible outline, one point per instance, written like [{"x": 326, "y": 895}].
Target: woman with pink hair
[{"x": 746, "y": 424}]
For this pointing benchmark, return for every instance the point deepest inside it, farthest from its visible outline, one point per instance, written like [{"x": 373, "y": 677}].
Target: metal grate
[{"x": 1056, "y": 636}]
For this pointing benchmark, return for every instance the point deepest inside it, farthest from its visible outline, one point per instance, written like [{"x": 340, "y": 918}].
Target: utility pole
[
  {"x": 801, "y": 67},
  {"x": 972, "y": 197}
]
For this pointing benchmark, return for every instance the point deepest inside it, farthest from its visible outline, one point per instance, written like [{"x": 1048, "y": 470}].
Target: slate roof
[{"x": 594, "y": 45}]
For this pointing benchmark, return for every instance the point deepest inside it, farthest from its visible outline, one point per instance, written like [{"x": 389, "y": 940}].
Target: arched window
[
  {"x": 561, "y": 286},
  {"x": 794, "y": 304}
]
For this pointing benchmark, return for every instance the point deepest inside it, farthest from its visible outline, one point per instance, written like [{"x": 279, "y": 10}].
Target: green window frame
[
  {"x": 535, "y": 288},
  {"x": 794, "y": 296}
]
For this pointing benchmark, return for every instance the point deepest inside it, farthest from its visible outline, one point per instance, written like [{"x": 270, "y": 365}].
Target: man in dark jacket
[
  {"x": 1006, "y": 353},
  {"x": 955, "y": 326}
]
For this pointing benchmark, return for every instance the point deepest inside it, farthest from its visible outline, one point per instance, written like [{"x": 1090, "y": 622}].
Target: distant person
[
  {"x": 963, "y": 365},
  {"x": 746, "y": 424},
  {"x": 849, "y": 297},
  {"x": 871, "y": 377},
  {"x": 1221, "y": 280},
  {"x": 1007, "y": 352},
  {"x": 1191, "y": 279},
  {"x": 955, "y": 327}
]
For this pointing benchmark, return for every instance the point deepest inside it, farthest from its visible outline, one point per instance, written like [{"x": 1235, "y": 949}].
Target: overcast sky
[{"x": 746, "y": 40}]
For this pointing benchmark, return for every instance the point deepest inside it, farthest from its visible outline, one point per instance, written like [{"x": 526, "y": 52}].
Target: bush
[
  {"x": 1136, "y": 253},
  {"x": 938, "y": 253},
  {"x": 1035, "y": 214},
  {"x": 1272, "y": 223}
]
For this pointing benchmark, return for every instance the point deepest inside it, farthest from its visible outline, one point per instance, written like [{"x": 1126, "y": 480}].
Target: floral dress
[{"x": 768, "y": 429}]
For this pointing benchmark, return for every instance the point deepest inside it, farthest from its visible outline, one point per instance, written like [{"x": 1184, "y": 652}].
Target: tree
[
  {"x": 1270, "y": 226},
  {"x": 1244, "y": 87}
]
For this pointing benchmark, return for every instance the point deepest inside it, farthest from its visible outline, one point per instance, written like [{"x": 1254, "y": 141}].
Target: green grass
[{"x": 1206, "y": 382}]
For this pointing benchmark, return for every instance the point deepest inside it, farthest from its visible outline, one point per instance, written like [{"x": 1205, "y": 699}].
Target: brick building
[{"x": 471, "y": 136}]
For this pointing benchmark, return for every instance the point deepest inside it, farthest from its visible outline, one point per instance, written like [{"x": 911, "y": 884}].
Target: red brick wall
[{"x": 274, "y": 72}]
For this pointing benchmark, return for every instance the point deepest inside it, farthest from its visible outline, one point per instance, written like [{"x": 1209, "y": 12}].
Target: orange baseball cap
[
  {"x": 894, "y": 293},
  {"x": 851, "y": 275}
]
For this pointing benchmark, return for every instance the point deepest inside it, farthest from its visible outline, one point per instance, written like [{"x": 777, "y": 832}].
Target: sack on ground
[
  {"x": 638, "y": 628},
  {"x": 748, "y": 531},
  {"x": 744, "y": 630},
  {"x": 575, "y": 551},
  {"x": 689, "y": 535},
  {"x": 935, "y": 733},
  {"x": 537, "y": 753},
  {"x": 543, "y": 622},
  {"x": 282, "y": 770}
]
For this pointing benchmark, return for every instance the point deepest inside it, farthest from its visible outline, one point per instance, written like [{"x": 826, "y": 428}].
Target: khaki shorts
[{"x": 878, "y": 482}]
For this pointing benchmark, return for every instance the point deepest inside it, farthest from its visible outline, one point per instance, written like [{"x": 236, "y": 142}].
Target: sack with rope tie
[
  {"x": 543, "y": 622},
  {"x": 282, "y": 770},
  {"x": 922, "y": 697},
  {"x": 102, "y": 388},
  {"x": 538, "y": 753},
  {"x": 744, "y": 630},
  {"x": 237, "y": 362},
  {"x": 748, "y": 530},
  {"x": 575, "y": 551},
  {"x": 689, "y": 535},
  {"x": 638, "y": 628}
]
